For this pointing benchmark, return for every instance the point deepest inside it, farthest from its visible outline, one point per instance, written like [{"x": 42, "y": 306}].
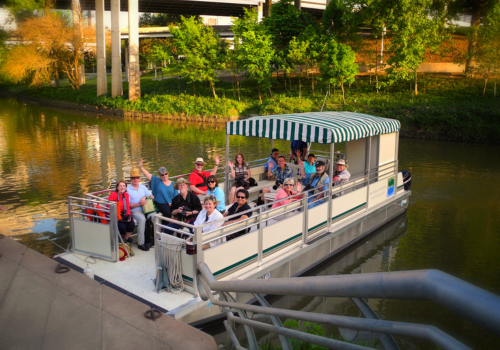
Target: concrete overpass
[{"x": 133, "y": 7}]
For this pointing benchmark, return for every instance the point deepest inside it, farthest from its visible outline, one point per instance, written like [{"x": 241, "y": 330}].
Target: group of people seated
[{"x": 180, "y": 200}]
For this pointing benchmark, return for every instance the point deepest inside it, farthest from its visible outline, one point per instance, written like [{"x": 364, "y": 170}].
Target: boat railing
[
  {"x": 93, "y": 227},
  {"x": 266, "y": 230},
  {"x": 468, "y": 301}
]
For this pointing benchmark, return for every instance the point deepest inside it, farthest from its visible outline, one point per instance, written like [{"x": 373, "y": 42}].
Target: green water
[{"x": 453, "y": 223}]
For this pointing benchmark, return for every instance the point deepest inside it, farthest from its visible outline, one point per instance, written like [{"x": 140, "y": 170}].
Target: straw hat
[
  {"x": 181, "y": 181},
  {"x": 199, "y": 160},
  {"x": 342, "y": 162},
  {"x": 135, "y": 173}
]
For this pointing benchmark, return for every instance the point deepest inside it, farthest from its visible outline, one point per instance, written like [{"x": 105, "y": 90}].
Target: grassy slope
[{"x": 446, "y": 108}]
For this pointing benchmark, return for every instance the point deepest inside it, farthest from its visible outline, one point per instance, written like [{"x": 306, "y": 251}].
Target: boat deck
[{"x": 135, "y": 276}]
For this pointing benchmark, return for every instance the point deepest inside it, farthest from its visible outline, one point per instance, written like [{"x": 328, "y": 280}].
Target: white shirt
[{"x": 216, "y": 215}]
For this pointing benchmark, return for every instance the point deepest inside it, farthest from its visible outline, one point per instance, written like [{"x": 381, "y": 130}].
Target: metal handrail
[{"x": 471, "y": 302}]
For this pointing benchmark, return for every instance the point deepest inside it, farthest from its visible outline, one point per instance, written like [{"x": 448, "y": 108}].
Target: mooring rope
[{"x": 171, "y": 251}]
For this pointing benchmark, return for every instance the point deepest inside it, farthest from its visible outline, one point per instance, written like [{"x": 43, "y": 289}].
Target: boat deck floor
[{"x": 134, "y": 276}]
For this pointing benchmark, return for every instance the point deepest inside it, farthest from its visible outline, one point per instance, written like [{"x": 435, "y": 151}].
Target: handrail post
[
  {"x": 113, "y": 225},
  {"x": 260, "y": 243},
  {"x": 70, "y": 214},
  {"x": 226, "y": 172},
  {"x": 368, "y": 165},
  {"x": 305, "y": 224},
  {"x": 330, "y": 180},
  {"x": 199, "y": 257},
  {"x": 396, "y": 165}
]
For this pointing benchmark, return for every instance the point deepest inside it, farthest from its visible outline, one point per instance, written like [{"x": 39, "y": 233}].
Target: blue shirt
[
  {"x": 309, "y": 169},
  {"x": 271, "y": 164},
  {"x": 136, "y": 195},
  {"x": 313, "y": 184},
  {"x": 163, "y": 193},
  {"x": 221, "y": 198},
  {"x": 281, "y": 175},
  {"x": 298, "y": 146}
]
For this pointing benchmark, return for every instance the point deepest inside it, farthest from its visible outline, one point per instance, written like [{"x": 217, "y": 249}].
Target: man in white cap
[
  {"x": 341, "y": 175},
  {"x": 198, "y": 177}
]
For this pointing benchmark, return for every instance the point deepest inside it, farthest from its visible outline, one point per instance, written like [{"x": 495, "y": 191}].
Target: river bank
[{"x": 447, "y": 108}]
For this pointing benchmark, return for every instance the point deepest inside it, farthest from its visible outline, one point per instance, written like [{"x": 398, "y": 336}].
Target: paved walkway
[{"x": 40, "y": 309}]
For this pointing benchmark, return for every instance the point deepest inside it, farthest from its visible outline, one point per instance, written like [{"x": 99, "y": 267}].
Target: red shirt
[{"x": 196, "y": 179}]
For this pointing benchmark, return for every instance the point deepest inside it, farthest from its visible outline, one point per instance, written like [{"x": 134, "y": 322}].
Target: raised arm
[
  {"x": 231, "y": 168},
  {"x": 214, "y": 170},
  {"x": 144, "y": 171}
]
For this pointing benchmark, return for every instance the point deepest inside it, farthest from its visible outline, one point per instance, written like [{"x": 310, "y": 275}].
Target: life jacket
[
  {"x": 100, "y": 213},
  {"x": 319, "y": 184},
  {"x": 121, "y": 203}
]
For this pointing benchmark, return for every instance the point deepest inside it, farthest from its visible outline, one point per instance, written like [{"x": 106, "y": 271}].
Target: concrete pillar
[
  {"x": 102, "y": 78},
  {"x": 297, "y": 4},
  {"x": 267, "y": 8},
  {"x": 127, "y": 68},
  {"x": 260, "y": 12},
  {"x": 116, "y": 62},
  {"x": 134, "y": 82}
]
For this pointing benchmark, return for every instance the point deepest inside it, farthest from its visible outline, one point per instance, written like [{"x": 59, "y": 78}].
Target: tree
[
  {"x": 20, "y": 10},
  {"x": 51, "y": 45},
  {"x": 415, "y": 30},
  {"x": 201, "y": 50},
  {"x": 314, "y": 52},
  {"x": 487, "y": 61},
  {"x": 297, "y": 55},
  {"x": 284, "y": 24},
  {"x": 477, "y": 9},
  {"x": 338, "y": 66},
  {"x": 159, "y": 19},
  {"x": 341, "y": 19}
]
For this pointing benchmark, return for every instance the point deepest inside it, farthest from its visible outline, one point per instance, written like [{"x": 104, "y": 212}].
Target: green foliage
[
  {"x": 159, "y": 19},
  {"x": 341, "y": 19},
  {"x": 255, "y": 52},
  {"x": 338, "y": 66},
  {"x": 415, "y": 30},
  {"x": 19, "y": 10},
  {"x": 201, "y": 49},
  {"x": 487, "y": 61}
]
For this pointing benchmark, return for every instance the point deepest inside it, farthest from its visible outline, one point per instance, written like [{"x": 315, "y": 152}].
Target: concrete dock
[{"x": 41, "y": 309}]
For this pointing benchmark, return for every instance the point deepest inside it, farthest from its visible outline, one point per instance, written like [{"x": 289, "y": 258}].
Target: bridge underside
[{"x": 185, "y": 7}]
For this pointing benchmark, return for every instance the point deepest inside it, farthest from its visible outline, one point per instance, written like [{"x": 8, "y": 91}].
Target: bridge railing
[{"x": 467, "y": 300}]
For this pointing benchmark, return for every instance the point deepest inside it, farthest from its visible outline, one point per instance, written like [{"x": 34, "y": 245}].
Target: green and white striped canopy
[{"x": 319, "y": 127}]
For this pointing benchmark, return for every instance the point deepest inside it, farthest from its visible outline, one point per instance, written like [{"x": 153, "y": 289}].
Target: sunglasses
[
  {"x": 199, "y": 164},
  {"x": 135, "y": 177},
  {"x": 165, "y": 174},
  {"x": 211, "y": 182},
  {"x": 240, "y": 197},
  {"x": 288, "y": 184}
]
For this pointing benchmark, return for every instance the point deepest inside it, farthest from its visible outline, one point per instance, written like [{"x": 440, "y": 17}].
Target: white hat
[
  {"x": 199, "y": 160},
  {"x": 342, "y": 162}
]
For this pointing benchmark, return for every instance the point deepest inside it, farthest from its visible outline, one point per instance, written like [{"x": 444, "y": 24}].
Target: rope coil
[{"x": 171, "y": 252}]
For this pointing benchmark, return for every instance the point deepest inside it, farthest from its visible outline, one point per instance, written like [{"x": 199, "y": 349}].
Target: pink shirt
[{"x": 282, "y": 194}]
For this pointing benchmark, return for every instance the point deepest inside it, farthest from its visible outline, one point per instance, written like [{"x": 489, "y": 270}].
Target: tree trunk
[
  {"x": 343, "y": 92},
  {"x": 194, "y": 90},
  {"x": 312, "y": 81},
  {"x": 485, "y": 84},
  {"x": 300, "y": 77},
  {"x": 416, "y": 83},
  {"x": 284, "y": 73},
  {"x": 238, "y": 85},
  {"x": 213, "y": 89},
  {"x": 376, "y": 70},
  {"x": 329, "y": 93},
  {"x": 260, "y": 97}
]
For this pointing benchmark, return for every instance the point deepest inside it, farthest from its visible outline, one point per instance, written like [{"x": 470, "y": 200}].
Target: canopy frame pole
[
  {"x": 226, "y": 172},
  {"x": 367, "y": 170},
  {"x": 396, "y": 170},
  {"x": 330, "y": 175}
]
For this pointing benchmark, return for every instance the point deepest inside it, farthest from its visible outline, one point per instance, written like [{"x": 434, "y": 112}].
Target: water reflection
[{"x": 453, "y": 222}]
